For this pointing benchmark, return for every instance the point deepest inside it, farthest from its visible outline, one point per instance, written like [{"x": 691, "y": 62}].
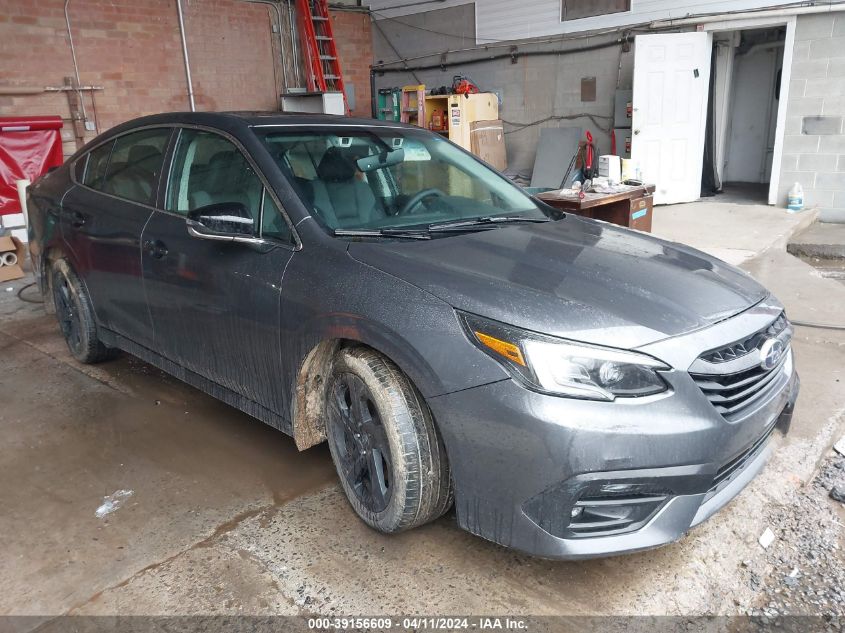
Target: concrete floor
[
  {"x": 822, "y": 240},
  {"x": 227, "y": 517}
]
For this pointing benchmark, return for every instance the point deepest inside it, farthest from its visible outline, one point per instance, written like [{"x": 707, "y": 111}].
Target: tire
[
  {"x": 76, "y": 317},
  {"x": 388, "y": 454}
]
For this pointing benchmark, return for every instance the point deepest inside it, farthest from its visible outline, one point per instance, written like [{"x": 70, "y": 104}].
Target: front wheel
[{"x": 391, "y": 461}]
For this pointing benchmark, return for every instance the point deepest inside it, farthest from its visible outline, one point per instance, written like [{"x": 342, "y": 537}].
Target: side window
[
  {"x": 135, "y": 164},
  {"x": 98, "y": 160},
  {"x": 79, "y": 167},
  {"x": 209, "y": 169},
  {"x": 274, "y": 224}
]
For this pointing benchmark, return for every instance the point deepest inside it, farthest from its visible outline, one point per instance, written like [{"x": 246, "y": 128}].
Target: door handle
[
  {"x": 155, "y": 248},
  {"x": 77, "y": 219}
]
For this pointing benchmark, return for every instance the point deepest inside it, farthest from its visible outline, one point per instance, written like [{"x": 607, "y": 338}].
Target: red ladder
[{"x": 322, "y": 66}]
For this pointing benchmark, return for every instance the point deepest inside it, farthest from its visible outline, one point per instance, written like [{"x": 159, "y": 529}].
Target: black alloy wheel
[
  {"x": 76, "y": 317},
  {"x": 385, "y": 446},
  {"x": 68, "y": 313},
  {"x": 361, "y": 442}
]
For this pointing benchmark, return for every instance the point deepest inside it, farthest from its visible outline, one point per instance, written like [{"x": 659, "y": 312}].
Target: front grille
[
  {"x": 748, "y": 345},
  {"x": 727, "y": 472},
  {"x": 731, "y": 393}
]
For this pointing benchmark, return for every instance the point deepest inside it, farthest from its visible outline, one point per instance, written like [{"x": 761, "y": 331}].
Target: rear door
[
  {"x": 215, "y": 305},
  {"x": 671, "y": 81},
  {"x": 102, "y": 220}
]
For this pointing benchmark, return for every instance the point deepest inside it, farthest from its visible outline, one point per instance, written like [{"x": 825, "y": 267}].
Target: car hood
[{"x": 574, "y": 278}]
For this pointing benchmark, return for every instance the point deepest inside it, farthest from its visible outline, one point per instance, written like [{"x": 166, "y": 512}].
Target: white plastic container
[
  {"x": 795, "y": 199},
  {"x": 610, "y": 167}
]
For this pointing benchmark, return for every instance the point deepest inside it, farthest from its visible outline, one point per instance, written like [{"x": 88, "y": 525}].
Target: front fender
[
  {"x": 327, "y": 295},
  {"x": 344, "y": 326}
]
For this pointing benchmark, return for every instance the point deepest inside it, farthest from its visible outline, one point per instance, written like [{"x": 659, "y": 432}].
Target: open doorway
[{"x": 742, "y": 122}]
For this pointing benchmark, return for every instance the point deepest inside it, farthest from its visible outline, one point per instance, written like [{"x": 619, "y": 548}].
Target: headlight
[{"x": 564, "y": 367}]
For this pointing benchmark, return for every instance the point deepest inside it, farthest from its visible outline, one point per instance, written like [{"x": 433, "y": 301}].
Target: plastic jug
[{"x": 795, "y": 199}]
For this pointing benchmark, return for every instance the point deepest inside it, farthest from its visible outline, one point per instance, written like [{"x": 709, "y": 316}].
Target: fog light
[
  {"x": 618, "y": 489},
  {"x": 615, "y": 507}
]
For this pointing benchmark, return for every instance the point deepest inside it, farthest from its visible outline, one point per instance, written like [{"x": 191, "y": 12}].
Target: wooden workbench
[{"x": 631, "y": 207}]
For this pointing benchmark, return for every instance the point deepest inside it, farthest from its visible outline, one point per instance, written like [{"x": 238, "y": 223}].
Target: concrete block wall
[
  {"x": 814, "y": 139},
  {"x": 532, "y": 89},
  {"x": 133, "y": 49}
]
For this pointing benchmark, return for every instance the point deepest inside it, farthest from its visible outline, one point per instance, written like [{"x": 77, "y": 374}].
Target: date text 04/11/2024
[{"x": 417, "y": 623}]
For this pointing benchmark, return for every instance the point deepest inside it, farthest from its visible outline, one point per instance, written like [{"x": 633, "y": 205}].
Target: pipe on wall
[
  {"x": 20, "y": 90},
  {"x": 185, "y": 56},
  {"x": 785, "y": 10},
  {"x": 75, "y": 64},
  {"x": 373, "y": 97},
  {"x": 278, "y": 11},
  {"x": 293, "y": 46}
]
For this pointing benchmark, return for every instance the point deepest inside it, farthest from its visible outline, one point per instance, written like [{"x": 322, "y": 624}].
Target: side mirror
[{"x": 224, "y": 221}]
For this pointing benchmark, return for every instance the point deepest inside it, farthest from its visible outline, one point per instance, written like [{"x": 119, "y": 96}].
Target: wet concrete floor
[
  {"x": 227, "y": 517},
  {"x": 194, "y": 465}
]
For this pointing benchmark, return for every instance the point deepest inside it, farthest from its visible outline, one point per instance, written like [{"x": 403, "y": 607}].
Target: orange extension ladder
[{"x": 322, "y": 66}]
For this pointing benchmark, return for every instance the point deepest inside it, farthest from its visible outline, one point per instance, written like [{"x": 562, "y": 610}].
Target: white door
[{"x": 671, "y": 83}]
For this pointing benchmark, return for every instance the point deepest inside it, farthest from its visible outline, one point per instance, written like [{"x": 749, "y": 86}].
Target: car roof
[
  {"x": 254, "y": 119},
  {"x": 235, "y": 122},
  {"x": 304, "y": 118}
]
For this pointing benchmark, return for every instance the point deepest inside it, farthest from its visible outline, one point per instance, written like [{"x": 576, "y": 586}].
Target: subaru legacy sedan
[{"x": 574, "y": 388}]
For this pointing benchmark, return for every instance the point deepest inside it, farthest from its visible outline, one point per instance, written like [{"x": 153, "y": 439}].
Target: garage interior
[
  {"x": 747, "y": 66},
  {"x": 127, "y": 492}
]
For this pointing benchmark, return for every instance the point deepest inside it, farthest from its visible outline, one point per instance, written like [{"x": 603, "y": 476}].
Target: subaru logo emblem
[{"x": 771, "y": 352}]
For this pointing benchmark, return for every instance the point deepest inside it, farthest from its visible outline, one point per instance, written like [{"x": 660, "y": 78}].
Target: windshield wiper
[
  {"x": 403, "y": 233},
  {"x": 487, "y": 221}
]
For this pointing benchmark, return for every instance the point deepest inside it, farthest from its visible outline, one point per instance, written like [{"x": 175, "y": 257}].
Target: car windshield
[{"x": 380, "y": 178}]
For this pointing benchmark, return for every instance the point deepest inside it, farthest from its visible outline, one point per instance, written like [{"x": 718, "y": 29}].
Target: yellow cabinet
[{"x": 457, "y": 112}]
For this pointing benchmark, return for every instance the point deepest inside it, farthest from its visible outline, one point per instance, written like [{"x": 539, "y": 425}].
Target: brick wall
[
  {"x": 355, "y": 48},
  {"x": 132, "y": 49},
  {"x": 814, "y": 140},
  {"x": 234, "y": 55}
]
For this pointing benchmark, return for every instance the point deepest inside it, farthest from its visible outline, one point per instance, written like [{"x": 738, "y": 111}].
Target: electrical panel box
[{"x": 623, "y": 108}]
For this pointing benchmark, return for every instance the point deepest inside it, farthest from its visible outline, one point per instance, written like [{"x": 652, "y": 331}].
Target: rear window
[
  {"x": 79, "y": 167},
  {"x": 135, "y": 165},
  {"x": 98, "y": 161}
]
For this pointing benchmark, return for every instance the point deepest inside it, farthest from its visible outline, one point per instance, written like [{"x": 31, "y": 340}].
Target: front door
[
  {"x": 214, "y": 304},
  {"x": 671, "y": 81},
  {"x": 102, "y": 220}
]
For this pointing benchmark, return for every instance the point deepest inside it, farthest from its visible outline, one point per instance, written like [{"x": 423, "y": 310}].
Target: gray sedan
[{"x": 574, "y": 388}]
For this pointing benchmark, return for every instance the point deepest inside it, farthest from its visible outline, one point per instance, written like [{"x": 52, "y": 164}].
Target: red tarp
[{"x": 29, "y": 146}]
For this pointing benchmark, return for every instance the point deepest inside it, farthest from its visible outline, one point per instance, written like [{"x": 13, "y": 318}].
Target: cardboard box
[
  {"x": 488, "y": 142},
  {"x": 9, "y": 244}
]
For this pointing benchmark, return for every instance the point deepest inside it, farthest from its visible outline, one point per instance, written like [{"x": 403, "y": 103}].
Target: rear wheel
[
  {"x": 76, "y": 317},
  {"x": 388, "y": 454}
]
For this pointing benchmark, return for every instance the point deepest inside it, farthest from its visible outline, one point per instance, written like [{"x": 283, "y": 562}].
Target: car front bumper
[{"x": 523, "y": 461}]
